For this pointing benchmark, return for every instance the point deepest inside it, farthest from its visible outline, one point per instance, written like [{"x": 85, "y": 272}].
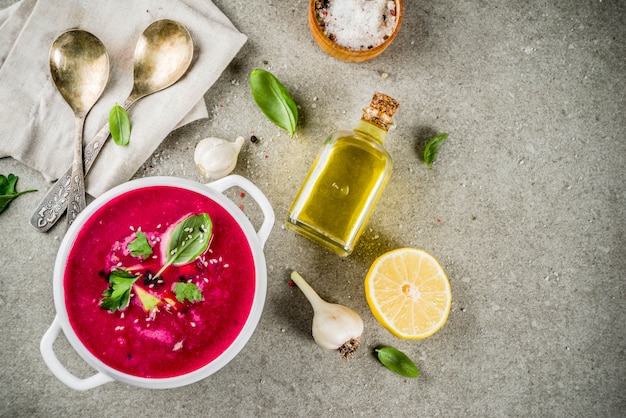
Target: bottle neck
[{"x": 371, "y": 131}]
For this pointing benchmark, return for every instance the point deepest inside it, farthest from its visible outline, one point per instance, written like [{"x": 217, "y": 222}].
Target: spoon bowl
[
  {"x": 79, "y": 66},
  {"x": 162, "y": 56},
  {"x": 163, "y": 53}
]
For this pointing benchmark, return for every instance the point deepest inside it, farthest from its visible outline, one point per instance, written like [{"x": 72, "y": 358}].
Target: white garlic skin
[
  {"x": 216, "y": 157},
  {"x": 334, "y": 325}
]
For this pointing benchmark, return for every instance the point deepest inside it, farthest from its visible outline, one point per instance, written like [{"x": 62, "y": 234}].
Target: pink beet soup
[{"x": 173, "y": 338}]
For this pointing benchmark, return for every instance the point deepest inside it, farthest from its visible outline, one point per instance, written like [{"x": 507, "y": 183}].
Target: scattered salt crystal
[{"x": 357, "y": 24}]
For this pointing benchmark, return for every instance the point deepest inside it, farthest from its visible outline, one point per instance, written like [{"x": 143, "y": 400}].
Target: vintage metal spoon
[
  {"x": 79, "y": 65},
  {"x": 162, "y": 56}
]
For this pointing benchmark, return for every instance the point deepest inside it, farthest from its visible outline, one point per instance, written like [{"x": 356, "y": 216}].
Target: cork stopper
[{"x": 380, "y": 111}]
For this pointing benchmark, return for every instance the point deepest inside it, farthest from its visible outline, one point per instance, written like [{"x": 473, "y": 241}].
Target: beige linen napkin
[{"x": 36, "y": 125}]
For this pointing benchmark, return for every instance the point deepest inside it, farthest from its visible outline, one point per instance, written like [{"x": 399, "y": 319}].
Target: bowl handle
[
  {"x": 268, "y": 213},
  {"x": 59, "y": 370}
]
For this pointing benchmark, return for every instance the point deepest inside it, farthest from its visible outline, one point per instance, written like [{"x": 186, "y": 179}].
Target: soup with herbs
[{"x": 159, "y": 282}]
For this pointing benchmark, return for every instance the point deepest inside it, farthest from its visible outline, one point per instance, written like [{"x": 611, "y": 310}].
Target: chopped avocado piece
[{"x": 148, "y": 300}]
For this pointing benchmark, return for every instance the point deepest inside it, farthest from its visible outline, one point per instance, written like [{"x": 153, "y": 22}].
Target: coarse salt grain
[{"x": 357, "y": 24}]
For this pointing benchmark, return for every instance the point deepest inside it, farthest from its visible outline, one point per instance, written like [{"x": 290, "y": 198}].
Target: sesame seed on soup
[{"x": 173, "y": 338}]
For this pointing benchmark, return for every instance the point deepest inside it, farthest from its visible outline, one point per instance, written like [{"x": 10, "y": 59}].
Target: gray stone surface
[{"x": 525, "y": 208}]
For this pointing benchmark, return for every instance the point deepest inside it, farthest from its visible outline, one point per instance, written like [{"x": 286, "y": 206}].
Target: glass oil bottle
[{"x": 338, "y": 195}]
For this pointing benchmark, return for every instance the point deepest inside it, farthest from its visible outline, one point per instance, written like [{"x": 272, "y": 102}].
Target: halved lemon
[{"x": 408, "y": 293}]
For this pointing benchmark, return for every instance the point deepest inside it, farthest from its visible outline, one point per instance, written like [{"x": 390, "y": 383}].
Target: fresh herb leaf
[
  {"x": 274, "y": 100},
  {"x": 189, "y": 239},
  {"x": 396, "y": 361},
  {"x": 7, "y": 190},
  {"x": 117, "y": 296},
  {"x": 119, "y": 124},
  {"x": 140, "y": 246},
  {"x": 187, "y": 291},
  {"x": 430, "y": 152}
]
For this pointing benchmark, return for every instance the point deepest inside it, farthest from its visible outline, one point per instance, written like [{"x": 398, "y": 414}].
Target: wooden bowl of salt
[{"x": 355, "y": 30}]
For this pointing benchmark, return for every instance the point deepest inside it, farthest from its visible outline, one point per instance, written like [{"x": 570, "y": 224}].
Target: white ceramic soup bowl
[{"x": 105, "y": 373}]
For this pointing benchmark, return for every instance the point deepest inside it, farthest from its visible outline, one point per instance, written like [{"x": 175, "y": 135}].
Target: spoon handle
[
  {"x": 56, "y": 200},
  {"x": 76, "y": 200}
]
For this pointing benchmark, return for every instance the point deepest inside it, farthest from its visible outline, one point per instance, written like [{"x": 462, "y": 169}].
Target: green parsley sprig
[
  {"x": 8, "y": 191},
  {"x": 117, "y": 296}
]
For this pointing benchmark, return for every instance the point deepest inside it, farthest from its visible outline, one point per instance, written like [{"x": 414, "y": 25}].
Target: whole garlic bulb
[
  {"x": 216, "y": 157},
  {"x": 335, "y": 327}
]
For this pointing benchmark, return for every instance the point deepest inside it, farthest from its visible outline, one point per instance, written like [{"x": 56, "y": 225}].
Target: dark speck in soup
[{"x": 175, "y": 340}]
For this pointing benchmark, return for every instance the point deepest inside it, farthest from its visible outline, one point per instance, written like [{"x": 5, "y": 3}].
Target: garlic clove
[
  {"x": 335, "y": 327},
  {"x": 216, "y": 157}
]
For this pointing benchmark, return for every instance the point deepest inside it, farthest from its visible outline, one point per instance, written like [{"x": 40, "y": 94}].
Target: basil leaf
[
  {"x": 7, "y": 190},
  {"x": 119, "y": 124},
  {"x": 396, "y": 361},
  {"x": 189, "y": 239},
  {"x": 140, "y": 246},
  {"x": 430, "y": 152},
  {"x": 274, "y": 100},
  {"x": 187, "y": 291}
]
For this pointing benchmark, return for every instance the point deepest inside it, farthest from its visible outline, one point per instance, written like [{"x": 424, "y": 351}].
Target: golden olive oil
[{"x": 338, "y": 195}]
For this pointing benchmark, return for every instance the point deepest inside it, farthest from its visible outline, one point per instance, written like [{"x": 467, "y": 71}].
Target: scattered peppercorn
[
  {"x": 151, "y": 280},
  {"x": 253, "y": 139}
]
